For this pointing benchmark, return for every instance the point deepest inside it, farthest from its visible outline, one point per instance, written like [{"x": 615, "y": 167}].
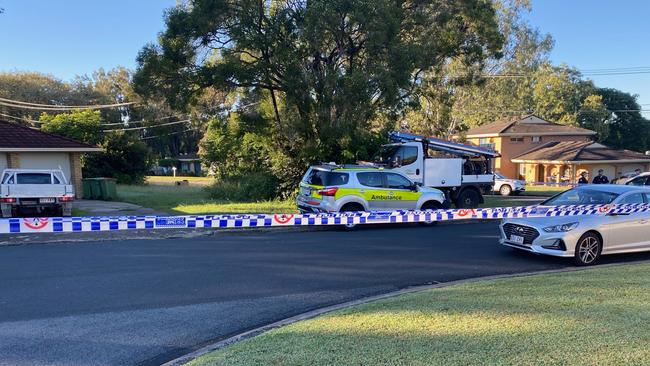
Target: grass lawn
[
  {"x": 78, "y": 212},
  {"x": 193, "y": 200},
  {"x": 543, "y": 190},
  {"x": 593, "y": 317},
  {"x": 157, "y": 179}
]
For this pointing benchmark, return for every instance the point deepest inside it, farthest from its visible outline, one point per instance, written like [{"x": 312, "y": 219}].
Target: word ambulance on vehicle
[{"x": 461, "y": 171}]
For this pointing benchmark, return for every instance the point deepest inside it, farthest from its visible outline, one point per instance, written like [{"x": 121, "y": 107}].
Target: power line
[
  {"x": 19, "y": 118},
  {"x": 145, "y": 127},
  {"x": 50, "y": 107},
  {"x": 102, "y": 124},
  {"x": 168, "y": 134},
  {"x": 583, "y": 72},
  {"x": 140, "y": 121}
]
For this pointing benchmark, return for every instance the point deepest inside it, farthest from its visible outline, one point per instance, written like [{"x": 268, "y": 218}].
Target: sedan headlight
[{"x": 562, "y": 228}]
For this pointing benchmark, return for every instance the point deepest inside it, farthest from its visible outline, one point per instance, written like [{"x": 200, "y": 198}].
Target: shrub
[
  {"x": 124, "y": 158},
  {"x": 245, "y": 188}
]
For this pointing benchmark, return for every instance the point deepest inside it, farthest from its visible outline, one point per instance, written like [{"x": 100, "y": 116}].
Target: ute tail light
[
  {"x": 8, "y": 200},
  {"x": 66, "y": 199},
  {"x": 329, "y": 192}
]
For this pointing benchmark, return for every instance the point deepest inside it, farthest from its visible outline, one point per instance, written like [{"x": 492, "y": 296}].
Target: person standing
[
  {"x": 583, "y": 178},
  {"x": 600, "y": 178}
]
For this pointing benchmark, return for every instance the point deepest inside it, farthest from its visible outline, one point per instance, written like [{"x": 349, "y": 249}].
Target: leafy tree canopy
[
  {"x": 84, "y": 126},
  {"x": 627, "y": 129},
  {"x": 322, "y": 71}
]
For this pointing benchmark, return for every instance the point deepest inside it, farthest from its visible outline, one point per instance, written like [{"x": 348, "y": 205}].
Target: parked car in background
[
  {"x": 35, "y": 191},
  {"x": 584, "y": 238},
  {"x": 638, "y": 180},
  {"x": 506, "y": 186}
]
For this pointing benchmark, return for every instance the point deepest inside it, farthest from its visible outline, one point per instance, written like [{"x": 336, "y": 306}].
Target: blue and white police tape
[{"x": 89, "y": 224}]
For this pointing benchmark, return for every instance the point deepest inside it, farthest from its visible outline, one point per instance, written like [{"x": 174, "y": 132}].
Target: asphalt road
[{"x": 149, "y": 301}]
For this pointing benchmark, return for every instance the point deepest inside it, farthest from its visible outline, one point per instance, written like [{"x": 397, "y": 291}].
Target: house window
[
  {"x": 486, "y": 143},
  {"x": 536, "y": 139},
  {"x": 516, "y": 139}
]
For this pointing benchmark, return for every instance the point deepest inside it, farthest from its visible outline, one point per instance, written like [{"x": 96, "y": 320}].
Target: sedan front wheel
[{"x": 588, "y": 249}]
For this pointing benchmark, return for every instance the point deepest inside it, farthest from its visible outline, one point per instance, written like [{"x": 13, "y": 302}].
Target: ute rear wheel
[{"x": 469, "y": 198}]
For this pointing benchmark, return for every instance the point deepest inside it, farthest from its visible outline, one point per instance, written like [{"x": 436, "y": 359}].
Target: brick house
[
  {"x": 537, "y": 150},
  {"x": 24, "y": 147},
  {"x": 563, "y": 161}
]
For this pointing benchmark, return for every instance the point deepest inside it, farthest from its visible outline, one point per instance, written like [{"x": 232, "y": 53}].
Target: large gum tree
[{"x": 326, "y": 68}]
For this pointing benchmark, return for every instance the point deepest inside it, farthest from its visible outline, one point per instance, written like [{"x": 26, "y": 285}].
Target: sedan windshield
[{"x": 581, "y": 196}]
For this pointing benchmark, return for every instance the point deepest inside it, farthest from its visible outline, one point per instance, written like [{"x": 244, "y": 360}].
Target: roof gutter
[
  {"x": 508, "y": 134},
  {"x": 50, "y": 149},
  {"x": 647, "y": 161}
]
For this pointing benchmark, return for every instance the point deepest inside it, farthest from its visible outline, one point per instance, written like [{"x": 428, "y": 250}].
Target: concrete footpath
[{"x": 113, "y": 208}]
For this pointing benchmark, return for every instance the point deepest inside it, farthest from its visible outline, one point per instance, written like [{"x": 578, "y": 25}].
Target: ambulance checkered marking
[{"x": 85, "y": 224}]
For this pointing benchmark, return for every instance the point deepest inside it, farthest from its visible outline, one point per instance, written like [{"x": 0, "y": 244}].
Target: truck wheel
[
  {"x": 351, "y": 207},
  {"x": 468, "y": 198},
  {"x": 505, "y": 190}
]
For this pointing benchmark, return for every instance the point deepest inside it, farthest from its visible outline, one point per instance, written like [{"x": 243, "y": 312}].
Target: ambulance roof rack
[{"x": 443, "y": 145}]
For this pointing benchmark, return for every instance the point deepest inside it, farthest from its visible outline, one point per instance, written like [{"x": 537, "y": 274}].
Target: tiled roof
[
  {"x": 494, "y": 127},
  {"x": 18, "y": 137},
  {"x": 578, "y": 151},
  {"x": 529, "y": 124}
]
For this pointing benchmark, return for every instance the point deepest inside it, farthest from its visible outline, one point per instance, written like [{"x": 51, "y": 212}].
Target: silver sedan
[{"x": 584, "y": 238}]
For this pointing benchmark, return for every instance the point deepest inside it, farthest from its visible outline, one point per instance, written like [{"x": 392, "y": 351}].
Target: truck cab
[{"x": 463, "y": 172}]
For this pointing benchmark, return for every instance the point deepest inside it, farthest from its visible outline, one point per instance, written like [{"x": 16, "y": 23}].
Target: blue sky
[
  {"x": 599, "y": 34},
  {"x": 74, "y": 37}
]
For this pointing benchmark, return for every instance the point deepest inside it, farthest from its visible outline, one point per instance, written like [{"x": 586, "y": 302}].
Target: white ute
[{"x": 35, "y": 191}]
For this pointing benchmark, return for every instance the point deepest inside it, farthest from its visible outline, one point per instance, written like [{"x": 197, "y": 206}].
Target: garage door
[
  {"x": 46, "y": 161},
  {"x": 3, "y": 161}
]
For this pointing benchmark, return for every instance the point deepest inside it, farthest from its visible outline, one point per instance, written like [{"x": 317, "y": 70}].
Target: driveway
[
  {"x": 148, "y": 301},
  {"x": 113, "y": 208}
]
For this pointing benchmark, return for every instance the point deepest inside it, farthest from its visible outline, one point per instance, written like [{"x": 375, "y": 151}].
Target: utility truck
[
  {"x": 461, "y": 171},
  {"x": 36, "y": 191}
]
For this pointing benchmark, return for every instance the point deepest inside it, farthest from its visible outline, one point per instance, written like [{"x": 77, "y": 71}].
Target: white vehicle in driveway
[
  {"x": 35, "y": 191},
  {"x": 584, "y": 238},
  {"x": 506, "y": 186},
  {"x": 636, "y": 180}
]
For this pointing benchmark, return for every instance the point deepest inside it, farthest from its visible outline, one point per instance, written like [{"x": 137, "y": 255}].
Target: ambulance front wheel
[{"x": 431, "y": 205}]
